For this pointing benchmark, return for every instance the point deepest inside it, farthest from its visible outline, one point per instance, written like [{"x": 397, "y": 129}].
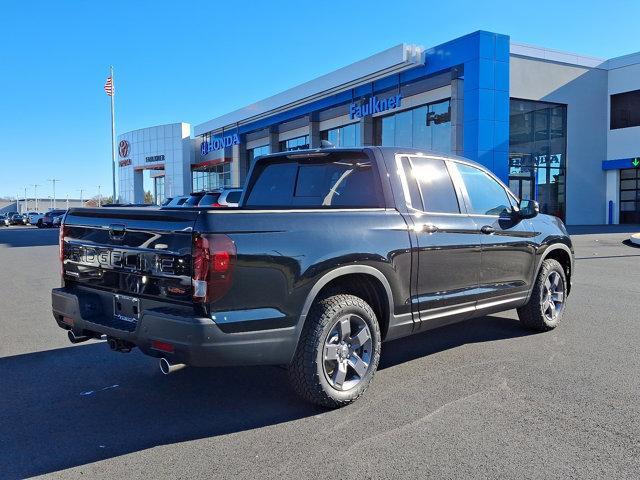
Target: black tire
[
  {"x": 307, "y": 372},
  {"x": 39, "y": 224},
  {"x": 535, "y": 314}
]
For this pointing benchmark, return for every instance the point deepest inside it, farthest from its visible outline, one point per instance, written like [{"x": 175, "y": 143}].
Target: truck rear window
[{"x": 335, "y": 181}]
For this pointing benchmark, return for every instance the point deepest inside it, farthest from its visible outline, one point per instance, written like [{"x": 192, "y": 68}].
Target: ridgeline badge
[
  {"x": 219, "y": 143},
  {"x": 373, "y": 106}
]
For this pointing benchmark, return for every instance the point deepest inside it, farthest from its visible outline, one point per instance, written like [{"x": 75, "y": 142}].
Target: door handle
[
  {"x": 429, "y": 228},
  {"x": 488, "y": 230}
]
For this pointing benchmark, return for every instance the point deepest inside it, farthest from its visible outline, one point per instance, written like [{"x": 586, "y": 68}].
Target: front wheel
[
  {"x": 546, "y": 305},
  {"x": 338, "y": 351}
]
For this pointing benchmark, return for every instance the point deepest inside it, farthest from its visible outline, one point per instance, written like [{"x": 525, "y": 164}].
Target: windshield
[
  {"x": 193, "y": 200},
  {"x": 209, "y": 199}
]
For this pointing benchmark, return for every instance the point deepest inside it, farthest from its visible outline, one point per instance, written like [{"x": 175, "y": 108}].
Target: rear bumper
[{"x": 198, "y": 341}]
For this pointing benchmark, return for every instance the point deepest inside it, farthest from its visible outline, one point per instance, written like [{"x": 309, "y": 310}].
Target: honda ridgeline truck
[{"x": 330, "y": 253}]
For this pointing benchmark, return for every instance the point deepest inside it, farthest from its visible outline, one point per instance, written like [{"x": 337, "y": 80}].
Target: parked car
[
  {"x": 16, "y": 219},
  {"x": 57, "y": 220},
  {"x": 331, "y": 253},
  {"x": 31, "y": 218},
  {"x": 220, "y": 198},
  {"x": 48, "y": 218},
  {"x": 7, "y": 218},
  {"x": 3, "y": 217},
  {"x": 193, "y": 199},
  {"x": 230, "y": 197},
  {"x": 175, "y": 202}
]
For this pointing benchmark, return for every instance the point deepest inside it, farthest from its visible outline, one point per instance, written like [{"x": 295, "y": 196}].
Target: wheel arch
[
  {"x": 563, "y": 255},
  {"x": 361, "y": 280}
]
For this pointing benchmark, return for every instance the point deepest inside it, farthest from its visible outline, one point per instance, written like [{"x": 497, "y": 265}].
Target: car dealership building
[{"x": 561, "y": 128}]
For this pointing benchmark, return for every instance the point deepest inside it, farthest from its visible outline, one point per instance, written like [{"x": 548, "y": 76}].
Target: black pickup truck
[{"x": 330, "y": 253}]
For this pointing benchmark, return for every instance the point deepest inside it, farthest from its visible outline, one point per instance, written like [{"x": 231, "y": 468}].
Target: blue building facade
[{"x": 536, "y": 117}]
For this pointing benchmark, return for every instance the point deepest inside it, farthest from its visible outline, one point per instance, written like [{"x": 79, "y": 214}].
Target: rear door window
[
  {"x": 337, "y": 181},
  {"x": 435, "y": 191}
]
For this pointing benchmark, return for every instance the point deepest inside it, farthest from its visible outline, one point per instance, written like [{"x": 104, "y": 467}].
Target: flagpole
[{"x": 113, "y": 137}]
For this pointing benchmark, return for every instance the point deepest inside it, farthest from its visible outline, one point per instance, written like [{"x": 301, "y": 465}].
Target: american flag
[{"x": 108, "y": 86}]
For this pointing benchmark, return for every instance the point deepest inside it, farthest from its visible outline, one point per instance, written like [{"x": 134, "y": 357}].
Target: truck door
[
  {"x": 508, "y": 253},
  {"x": 449, "y": 243}
]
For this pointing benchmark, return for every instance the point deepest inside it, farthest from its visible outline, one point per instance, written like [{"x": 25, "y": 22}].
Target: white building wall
[
  {"x": 624, "y": 76},
  {"x": 174, "y": 142}
]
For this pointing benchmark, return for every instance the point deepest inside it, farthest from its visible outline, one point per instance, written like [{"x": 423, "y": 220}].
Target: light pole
[
  {"x": 67, "y": 201},
  {"x": 99, "y": 196},
  {"x": 81, "y": 190},
  {"x": 35, "y": 194},
  {"x": 26, "y": 202},
  {"x": 54, "y": 180}
]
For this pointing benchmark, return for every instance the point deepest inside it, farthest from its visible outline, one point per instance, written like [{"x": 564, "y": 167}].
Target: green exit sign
[{"x": 636, "y": 162}]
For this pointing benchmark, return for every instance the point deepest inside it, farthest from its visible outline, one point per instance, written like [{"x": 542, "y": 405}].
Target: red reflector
[
  {"x": 67, "y": 320},
  {"x": 162, "y": 346}
]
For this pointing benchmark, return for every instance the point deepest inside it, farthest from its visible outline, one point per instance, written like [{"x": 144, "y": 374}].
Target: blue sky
[{"x": 194, "y": 60}]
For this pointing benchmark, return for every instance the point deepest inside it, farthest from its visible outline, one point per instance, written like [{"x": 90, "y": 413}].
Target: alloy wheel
[
  {"x": 347, "y": 352},
  {"x": 553, "y": 295}
]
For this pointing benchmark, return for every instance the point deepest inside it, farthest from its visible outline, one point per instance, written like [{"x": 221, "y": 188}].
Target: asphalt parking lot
[{"x": 483, "y": 398}]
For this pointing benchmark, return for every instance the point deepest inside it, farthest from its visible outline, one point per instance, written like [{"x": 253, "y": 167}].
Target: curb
[{"x": 635, "y": 239}]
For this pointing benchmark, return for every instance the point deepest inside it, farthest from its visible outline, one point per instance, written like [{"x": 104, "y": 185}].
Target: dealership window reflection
[
  {"x": 297, "y": 143},
  {"x": 345, "y": 136},
  {"x": 427, "y": 127},
  {"x": 537, "y": 153}
]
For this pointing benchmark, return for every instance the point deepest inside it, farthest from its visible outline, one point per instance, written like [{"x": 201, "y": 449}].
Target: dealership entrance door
[{"x": 630, "y": 195}]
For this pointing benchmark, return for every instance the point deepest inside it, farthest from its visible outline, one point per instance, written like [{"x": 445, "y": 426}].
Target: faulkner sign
[
  {"x": 373, "y": 106},
  {"x": 219, "y": 143}
]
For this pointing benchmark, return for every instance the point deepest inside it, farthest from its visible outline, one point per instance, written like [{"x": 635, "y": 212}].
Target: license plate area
[{"x": 126, "y": 309}]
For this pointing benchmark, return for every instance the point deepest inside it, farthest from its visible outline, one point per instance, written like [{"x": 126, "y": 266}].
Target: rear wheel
[
  {"x": 546, "y": 305},
  {"x": 338, "y": 352},
  {"x": 39, "y": 224}
]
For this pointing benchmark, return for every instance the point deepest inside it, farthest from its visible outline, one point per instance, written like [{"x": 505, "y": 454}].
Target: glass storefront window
[
  {"x": 427, "y": 127},
  {"x": 345, "y": 136},
  {"x": 297, "y": 143},
  {"x": 537, "y": 153},
  {"x": 159, "y": 190},
  {"x": 210, "y": 178},
  {"x": 630, "y": 195}
]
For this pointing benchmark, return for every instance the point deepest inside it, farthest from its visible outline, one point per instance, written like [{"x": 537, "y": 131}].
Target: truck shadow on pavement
[{"x": 81, "y": 404}]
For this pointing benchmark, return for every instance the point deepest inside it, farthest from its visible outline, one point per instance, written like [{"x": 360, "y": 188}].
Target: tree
[
  {"x": 95, "y": 201},
  {"x": 148, "y": 197}
]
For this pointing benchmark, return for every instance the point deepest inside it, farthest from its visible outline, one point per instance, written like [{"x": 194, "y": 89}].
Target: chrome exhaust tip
[
  {"x": 73, "y": 338},
  {"x": 166, "y": 367}
]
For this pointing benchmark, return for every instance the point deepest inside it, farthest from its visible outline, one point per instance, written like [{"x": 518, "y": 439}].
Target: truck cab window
[
  {"x": 329, "y": 183},
  {"x": 486, "y": 195}
]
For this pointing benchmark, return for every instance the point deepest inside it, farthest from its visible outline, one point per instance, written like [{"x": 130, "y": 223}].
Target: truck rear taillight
[
  {"x": 214, "y": 257},
  {"x": 61, "y": 234},
  {"x": 61, "y": 243}
]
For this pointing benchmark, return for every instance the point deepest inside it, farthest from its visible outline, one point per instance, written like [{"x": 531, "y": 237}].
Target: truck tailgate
[{"x": 138, "y": 251}]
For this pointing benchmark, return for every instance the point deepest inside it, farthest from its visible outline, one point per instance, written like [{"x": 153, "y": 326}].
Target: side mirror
[{"x": 528, "y": 208}]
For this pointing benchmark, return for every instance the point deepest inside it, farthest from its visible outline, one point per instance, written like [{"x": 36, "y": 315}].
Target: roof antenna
[{"x": 326, "y": 144}]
